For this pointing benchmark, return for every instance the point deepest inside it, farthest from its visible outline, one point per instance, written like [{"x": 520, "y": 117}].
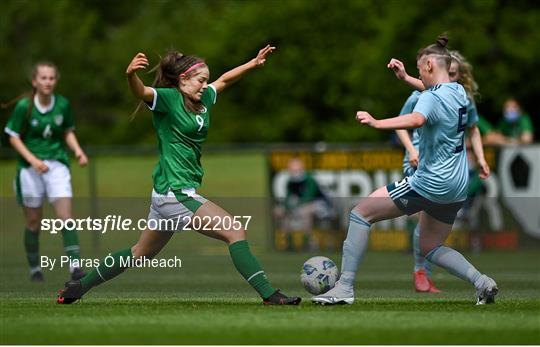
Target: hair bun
[{"x": 442, "y": 40}]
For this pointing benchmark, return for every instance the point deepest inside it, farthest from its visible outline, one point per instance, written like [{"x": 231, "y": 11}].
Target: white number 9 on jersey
[{"x": 200, "y": 121}]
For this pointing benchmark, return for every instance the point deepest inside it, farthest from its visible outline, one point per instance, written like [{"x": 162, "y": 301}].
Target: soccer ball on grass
[{"x": 319, "y": 275}]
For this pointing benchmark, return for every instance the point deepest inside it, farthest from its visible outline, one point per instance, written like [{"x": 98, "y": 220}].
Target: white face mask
[{"x": 511, "y": 115}]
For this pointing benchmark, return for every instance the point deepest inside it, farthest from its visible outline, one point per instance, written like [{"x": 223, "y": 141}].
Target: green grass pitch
[{"x": 207, "y": 302}]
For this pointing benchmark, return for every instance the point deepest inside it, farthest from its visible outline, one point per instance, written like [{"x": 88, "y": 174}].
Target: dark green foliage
[{"x": 330, "y": 62}]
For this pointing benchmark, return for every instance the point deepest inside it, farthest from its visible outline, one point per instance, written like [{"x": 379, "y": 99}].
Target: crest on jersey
[
  {"x": 204, "y": 110},
  {"x": 58, "y": 119},
  {"x": 34, "y": 122}
]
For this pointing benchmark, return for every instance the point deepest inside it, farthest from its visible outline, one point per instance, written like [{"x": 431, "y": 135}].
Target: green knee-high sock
[
  {"x": 250, "y": 269},
  {"x": 106, "y": 270},
  {"x": 71, "y": 244},
  {"x": 31, "y": 245}
]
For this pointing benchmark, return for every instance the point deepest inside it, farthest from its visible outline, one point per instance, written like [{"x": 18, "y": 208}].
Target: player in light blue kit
[
  {"x": 460, "y": 71},
  {"x": 437, "y": 189}
]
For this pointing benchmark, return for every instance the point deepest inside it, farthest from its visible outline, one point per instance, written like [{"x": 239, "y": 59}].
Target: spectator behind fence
[
  {"x": 304, "y": 203},
  {"x": 516, "y": 125},
  {"x": 490, "y": 136}
]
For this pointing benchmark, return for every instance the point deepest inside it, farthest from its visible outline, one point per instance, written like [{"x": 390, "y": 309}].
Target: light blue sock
[
  {"x": 354, "y": 247},
  {"x": 453, "y": 262},
  {"x": 419, "y": 259}
]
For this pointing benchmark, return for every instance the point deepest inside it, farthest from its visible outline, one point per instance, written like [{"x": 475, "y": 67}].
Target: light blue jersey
[
  {"x": 443, "y": 173},
  {"x": 472, "y": 113},
  {"x": 408, "y": 107}
]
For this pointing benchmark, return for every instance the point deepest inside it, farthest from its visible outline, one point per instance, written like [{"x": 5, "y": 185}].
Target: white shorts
[
  {"x": 31, "y": 187},
  {"x": 172, "y": 212}
]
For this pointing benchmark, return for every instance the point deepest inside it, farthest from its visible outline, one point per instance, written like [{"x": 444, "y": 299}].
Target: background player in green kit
[
  {"x": 305, "y": 204},
  {"x": 181, "y": 106},
  {"x": 459, "y": 71},
  {"x": 39, "y": 128}
]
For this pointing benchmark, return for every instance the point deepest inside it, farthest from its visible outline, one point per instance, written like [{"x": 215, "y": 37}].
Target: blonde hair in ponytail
[{"x": 466, "y": 78}]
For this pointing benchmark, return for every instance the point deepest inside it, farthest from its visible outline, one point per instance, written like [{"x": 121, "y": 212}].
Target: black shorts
[{"x": 410, "y": 202}]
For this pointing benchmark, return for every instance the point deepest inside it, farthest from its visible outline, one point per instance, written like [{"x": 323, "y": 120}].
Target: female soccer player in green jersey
[
  {"x": 460, "y": 71},
  {"x": 181, "y": 106},
  {"x": 39, "y": 127}
]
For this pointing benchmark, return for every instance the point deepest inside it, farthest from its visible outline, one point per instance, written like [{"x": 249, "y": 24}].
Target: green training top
[
  {"x": 517, "y": 128},
  {"x": 180, "y": 136},
  {"x": 484, "y": 126},
  {"x": 43, "y": 129},
  {"x": 302, "y": 190}
]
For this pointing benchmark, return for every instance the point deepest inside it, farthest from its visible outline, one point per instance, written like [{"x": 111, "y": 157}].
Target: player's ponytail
[
  {"x": 9, "y": 103},
  {"x": 168, "y": 72},
  {"x": 466, "y": 78},
  {"x": 438, "y": 50},
  {"x": 140, "y": 104},
  {"x": 32, "y": 93},
  {"x": 442, "y": 40}
]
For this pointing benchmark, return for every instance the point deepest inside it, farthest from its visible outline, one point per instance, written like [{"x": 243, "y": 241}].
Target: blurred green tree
[{"x": 330, "y": 62}]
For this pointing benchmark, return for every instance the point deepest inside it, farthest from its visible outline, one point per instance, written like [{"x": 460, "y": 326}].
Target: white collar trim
[{"x": 44, "y": 109}]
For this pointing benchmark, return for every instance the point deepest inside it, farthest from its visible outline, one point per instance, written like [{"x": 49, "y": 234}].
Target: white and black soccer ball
[{"x": 319, "y": 275}]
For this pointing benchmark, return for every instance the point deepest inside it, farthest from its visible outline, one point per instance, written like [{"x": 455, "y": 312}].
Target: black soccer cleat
[
  {"x": 72, "y": 292},
  {"x": 37, "y": 277},
  {"x": 77, "y": 274},
  {"x": 277, "y": 298}
]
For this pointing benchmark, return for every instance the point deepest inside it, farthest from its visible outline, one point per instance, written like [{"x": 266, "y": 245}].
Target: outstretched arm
[
  {"x": 399, "y": 69},
  {"x": 139, "y": 90},
  {"x": 408, "y": 121},
  {"x": 229, "y": 77}
]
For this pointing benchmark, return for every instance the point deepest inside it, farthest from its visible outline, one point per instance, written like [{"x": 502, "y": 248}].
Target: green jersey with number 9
[
  {"x": 180, "y": 136},
  {"x": 43, "y": 129}
]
